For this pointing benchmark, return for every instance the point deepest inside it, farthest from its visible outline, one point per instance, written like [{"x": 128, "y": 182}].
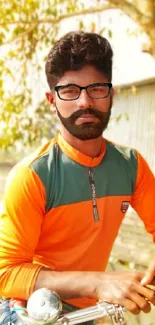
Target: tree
[{"x": 27, "y": 27}]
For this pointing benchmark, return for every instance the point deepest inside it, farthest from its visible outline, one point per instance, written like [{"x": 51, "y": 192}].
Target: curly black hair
[{"x": 75, "y": 50}]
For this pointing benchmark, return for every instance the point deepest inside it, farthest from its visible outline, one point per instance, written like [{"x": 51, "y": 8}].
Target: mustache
[{"x": 91, "y": 111}]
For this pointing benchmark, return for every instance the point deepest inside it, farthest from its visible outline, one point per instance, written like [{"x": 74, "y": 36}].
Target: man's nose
[{"x": 84, "y": 101}]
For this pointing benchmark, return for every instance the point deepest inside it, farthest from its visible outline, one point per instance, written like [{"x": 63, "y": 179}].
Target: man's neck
[{"x": 91, "y": 148}]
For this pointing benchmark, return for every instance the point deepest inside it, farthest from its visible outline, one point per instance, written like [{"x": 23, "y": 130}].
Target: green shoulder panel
[
  {"x": 118, "y": 171},
  {"x": 67, "y": 182}
]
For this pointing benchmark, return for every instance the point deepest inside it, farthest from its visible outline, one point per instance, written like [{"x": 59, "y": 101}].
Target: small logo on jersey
[{"x": 124, "y": 206}]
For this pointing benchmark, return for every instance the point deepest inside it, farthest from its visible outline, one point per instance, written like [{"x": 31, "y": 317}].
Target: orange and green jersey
[{"x": 63, "y": 209}]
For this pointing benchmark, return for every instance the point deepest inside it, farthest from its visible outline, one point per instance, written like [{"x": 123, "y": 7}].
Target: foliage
[{"x": 27, "y": 29}]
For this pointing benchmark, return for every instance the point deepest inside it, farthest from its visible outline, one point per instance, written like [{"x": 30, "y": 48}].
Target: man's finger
[
  {"x": 141, "y": 302},
  {"x": 147, "y": 293},
  {"x": 148, "y": 278},
  {"x": 130, "y": 306},
  {"x": 150, "y": 281},
  {"x": 149, "y": 275},
  {"x": 153, "y": 282}
]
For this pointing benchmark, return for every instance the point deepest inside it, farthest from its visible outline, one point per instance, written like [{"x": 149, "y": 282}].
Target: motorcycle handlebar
[{"x": 102, "y": 309}]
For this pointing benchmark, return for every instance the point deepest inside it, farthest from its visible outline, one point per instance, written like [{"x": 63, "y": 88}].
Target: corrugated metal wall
[{"x": 139, "y": 131}]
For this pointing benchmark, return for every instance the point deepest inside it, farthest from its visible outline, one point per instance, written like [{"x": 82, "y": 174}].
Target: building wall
[
  {"x": 133, "y": 244},
  {"x": 139, "y": 130}
]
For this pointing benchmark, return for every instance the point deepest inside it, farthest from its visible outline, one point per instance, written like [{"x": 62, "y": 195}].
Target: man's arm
[
  {"x": 143, "y": 201},
  {"x": 20, "y": 224},
  {"x": 123, "y": 288},
  {"x": 143, "y": 198}
]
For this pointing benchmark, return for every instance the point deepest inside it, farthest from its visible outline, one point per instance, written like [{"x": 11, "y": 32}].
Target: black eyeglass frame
[{"x": 109, "y": 84}]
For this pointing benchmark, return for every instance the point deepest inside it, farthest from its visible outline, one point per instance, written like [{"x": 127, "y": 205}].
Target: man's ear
[{"x": 50, "y": 98}]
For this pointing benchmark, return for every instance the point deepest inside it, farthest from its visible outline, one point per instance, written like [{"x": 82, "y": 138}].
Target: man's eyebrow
[
  {"x": 72, "y": 84},
  {"x": 69, "y": 84}
]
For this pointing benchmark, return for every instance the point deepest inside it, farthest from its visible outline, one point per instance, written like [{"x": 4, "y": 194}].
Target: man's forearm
[{"x": 69, "y": 284}]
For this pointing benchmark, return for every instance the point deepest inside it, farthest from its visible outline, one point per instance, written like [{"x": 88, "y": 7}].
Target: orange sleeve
[
  {"x": 143, "y": 198},
  {"x": 20, "y": 224}
]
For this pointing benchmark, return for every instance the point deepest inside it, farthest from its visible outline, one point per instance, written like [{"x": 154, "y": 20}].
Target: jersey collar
[{"x": 78, "y": 156}]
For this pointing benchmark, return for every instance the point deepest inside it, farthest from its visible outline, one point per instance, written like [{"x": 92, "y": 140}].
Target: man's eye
[
  {"x": 97, "y": 89},
  {"x": 69, "y": 91}
]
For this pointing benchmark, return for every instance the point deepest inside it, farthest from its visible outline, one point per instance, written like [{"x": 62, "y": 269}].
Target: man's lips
[
  {"x": 87, "y": 115},
  {"x": 87, "y": 118}
]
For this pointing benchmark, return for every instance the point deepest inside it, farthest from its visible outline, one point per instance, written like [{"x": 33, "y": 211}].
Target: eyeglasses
[{"x": 72, "y": 91}]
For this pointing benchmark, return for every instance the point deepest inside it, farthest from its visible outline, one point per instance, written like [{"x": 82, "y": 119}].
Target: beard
[{"x": 87, "y": 130}]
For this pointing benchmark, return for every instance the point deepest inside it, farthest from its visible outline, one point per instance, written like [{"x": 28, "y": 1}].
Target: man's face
[{"x": 85, "y": 118}]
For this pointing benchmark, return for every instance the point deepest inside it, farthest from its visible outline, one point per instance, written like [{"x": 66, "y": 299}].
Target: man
[{"x": 64, "y": 204}]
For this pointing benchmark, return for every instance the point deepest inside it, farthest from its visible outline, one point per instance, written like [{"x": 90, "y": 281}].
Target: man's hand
[
  {"x": 125, "y": 288},
  {"x": 149, "y": 277}
]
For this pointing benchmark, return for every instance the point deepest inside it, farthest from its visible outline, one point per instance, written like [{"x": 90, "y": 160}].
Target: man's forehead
[{"x": 85, "y": 76}]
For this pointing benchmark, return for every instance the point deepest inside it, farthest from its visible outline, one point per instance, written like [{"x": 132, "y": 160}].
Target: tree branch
[
  {"x": 29, "y": 30},
  {"x": 144, "y": 21},
  {"x": 130, "y": 10},
  {"x": 86, "y": 11},
  {"x": 147, "y": 7}
]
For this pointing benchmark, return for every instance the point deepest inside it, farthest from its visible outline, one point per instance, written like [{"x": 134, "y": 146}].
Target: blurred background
[{"x": 28, "y": 29}]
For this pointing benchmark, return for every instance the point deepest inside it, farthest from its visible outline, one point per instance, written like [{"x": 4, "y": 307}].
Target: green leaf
[{"x": 110, "y": 33}]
